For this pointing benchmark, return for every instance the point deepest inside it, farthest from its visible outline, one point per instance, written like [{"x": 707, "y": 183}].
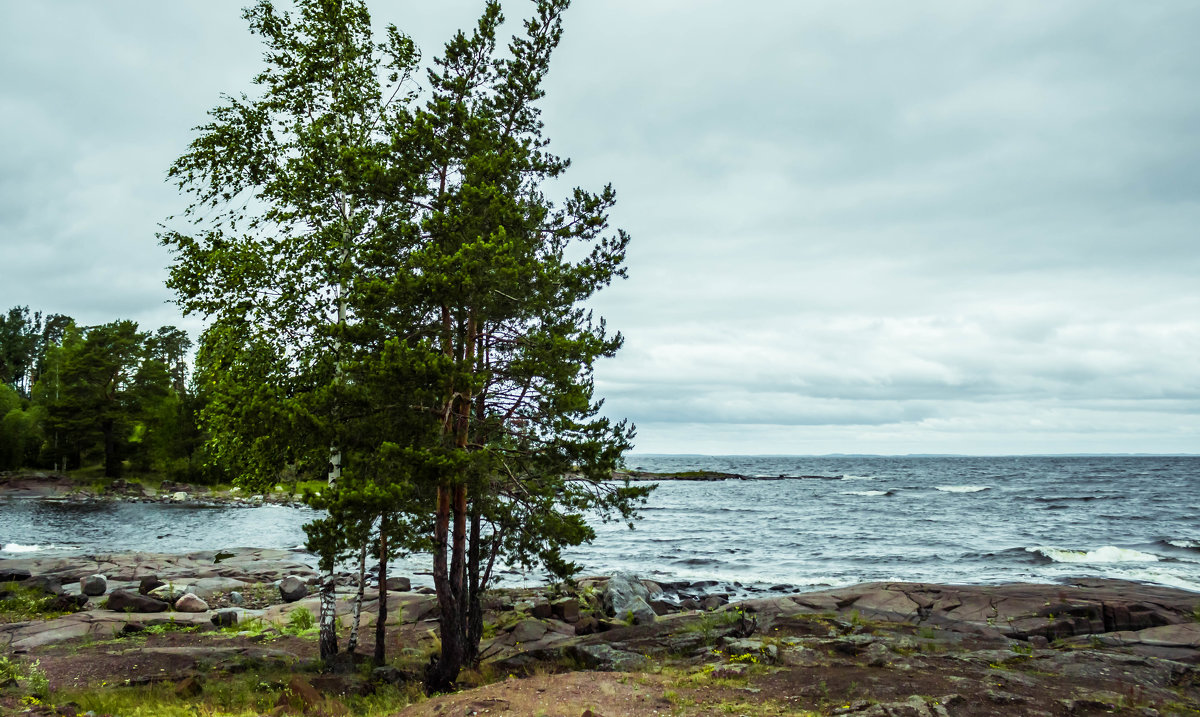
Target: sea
[{"x": 788, "y": 523}]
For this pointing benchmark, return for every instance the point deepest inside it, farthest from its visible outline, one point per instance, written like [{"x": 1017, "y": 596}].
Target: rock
[
  {"x": 148, "y": 583},
  {"x": 189, "y": 686},
  {"x": 542, "y": 610},
  {"x": 226, "y": 618},
  {"x": 235, "y": 598},
  {"x": 93, "y": 585},
  {"x": 605, "y": 658},
  {"x": 734, "y": 670},
  {"x": 67, "y": 603},
  {"x": 299, "y": 695},
  {"x": 388, "y": 675},
  {"x": 169, "y": 593},
  {"x": 586, "y": 625},
  {"x": 878, "y": 654},
  {"x": 528, "y": 630},
  {"x": 9, "y": 575},
  {"x": 46, "y": 583},
  {"x": 191, "y": 603},
  {"x": 292, "y": 589},
  {"x": 566, "y": 609},
  {"x": 399, "y": 585},
  {"x": 663, "y": 607},
  {"x": 125, "y": 601},
  {"x": 712, "y": 602},
  {"x": 132, "y": 628},
  {"x": 179, "y": 496},
  {"x": 620, "y": 592}
]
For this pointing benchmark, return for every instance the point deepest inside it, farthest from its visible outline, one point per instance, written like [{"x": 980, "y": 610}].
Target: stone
[
  {"x": 878, "y": 654},
  {"x": 125, "y": 601},
  {"x": 226, "y": 618},
  {"x": 712, "y": 602},
  {"x": 8, "y": 575},
  {"x": 542, "y": 610},
  {"x": 605, "y": 658},
  {"x": 399, "y": 585},
  {"x": 389, "y": 675},
  {"x": 46, "y": 583},
  {"x": 733, "y": 670},
  {"x": 566, "y": 609},
  {"x": 169, "y": 592},
  {"x": 235, "y": 598},
  {"x": 620, "y": 592},
  {"x": 292, "y": 588},
  {"x": 189, "y": 686},
  {"x": 148, "y": 583},
  {"x": 528, "y": 630},
  {"x": 586, "y": 625},
  {"x": 191, "y": 603},
  {"x": 93, "y": 585},
  {"x": 179, "y": 496}
]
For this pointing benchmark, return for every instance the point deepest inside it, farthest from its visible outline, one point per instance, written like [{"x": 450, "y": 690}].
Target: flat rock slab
[
  {"x": 94, "y": 623},
  {"x": 251, "y": 565},
  {"x": 1020, "y": 611}
]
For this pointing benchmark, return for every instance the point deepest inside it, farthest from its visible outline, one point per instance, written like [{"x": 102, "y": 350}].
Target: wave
[
  {"x": 18, "y": 548},
  {"x": 1188, "y": 544},
  {"x": 867, "y": 492},
  {"x": 963, "y": 488},
  {"x": 850, "y": 477},
  {"x": 1106, "y": 554}
]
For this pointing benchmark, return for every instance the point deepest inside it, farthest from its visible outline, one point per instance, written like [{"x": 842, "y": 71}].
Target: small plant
[
  {"x": 300, "y": 620},
  {"x": 34, "y": 680},
  {"x": 925, "y": 633}
]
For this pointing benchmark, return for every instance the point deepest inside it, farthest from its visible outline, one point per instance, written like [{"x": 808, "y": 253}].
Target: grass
[{"x": 22, "y": 603}]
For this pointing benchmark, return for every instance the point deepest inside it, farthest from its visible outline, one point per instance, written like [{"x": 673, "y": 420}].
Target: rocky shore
[{"x": 1090, "y": 647}]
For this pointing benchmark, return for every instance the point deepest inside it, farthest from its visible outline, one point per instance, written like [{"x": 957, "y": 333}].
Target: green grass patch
[{"x": 21, "y": 604}]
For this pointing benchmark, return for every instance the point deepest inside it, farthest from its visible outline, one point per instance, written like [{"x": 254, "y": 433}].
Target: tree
[
  {"x": 19, "y": 347},
  {"x": 394, "y": 302},
  {"x": 284, "y": 197}
]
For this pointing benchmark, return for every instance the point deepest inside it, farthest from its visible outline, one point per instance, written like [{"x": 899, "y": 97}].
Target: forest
[{"x": 110, "y": 397}]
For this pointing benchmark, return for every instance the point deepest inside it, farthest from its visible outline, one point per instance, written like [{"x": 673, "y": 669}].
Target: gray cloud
[{"x": 890, "y": 227}]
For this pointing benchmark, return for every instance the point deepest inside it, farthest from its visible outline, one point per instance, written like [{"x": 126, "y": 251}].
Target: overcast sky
[{"x": 862, "y": 227}]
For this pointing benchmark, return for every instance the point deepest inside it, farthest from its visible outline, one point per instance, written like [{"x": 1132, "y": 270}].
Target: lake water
[{"x": 967, "y": 520}]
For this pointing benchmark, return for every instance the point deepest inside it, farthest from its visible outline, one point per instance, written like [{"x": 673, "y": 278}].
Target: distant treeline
[{"x": 74, "y": 396}]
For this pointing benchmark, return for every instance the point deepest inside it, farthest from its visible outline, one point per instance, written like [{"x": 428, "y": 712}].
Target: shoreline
[{"x": 873, "y": 649}]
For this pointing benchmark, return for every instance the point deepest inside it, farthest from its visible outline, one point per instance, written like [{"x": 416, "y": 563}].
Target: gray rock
[
  {"x": 292, "y": 589},
  {"x": 226, "y": 618},
  {"x": 236, "y": 598},
  {"x": 566, "y": 609},
  {"x": 399, "y": 585},
  {"x": 878, "y": 654},
  {"x": 169, "y": 592},
  {"x": 8, "y": 575},
  {"x": 191, "y": 603},
  {"x": 528, "y": 630},
  {"x": 125, "y": 601},
  {"x": 148, "y": 583},
  {"x": 620, "y": 592},
  {"x": 605, "y": 658},
  {"x": 93, "y": 585},
  {"x": 542, "y": 610}
]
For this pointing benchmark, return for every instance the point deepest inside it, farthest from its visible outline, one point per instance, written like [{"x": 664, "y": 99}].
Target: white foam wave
[
  {"x": 1184, "y": 543},
  {"x": 18, "y": 548},
  {"x": 962, "y": 488},
  {"x": 850, "y": 477},
  {"x": 1106, "y": 554},
  {"x": 865, "y": 492}
]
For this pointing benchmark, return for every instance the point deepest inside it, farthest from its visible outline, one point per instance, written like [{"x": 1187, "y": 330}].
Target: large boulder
[
  {"x": 93, "y": 585},
  {"x": 626, "y": 597},
  {"x": 125, "y": 601},
  {"x": 292, "y": 588},
  {"x": 399, "y": 585},
  {"x": 191, "y": 603}
]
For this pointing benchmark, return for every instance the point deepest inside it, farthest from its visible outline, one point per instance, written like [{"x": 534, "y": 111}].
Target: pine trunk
[{"x": 381, "y": 620}]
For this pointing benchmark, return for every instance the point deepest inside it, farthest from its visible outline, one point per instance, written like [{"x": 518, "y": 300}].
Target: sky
[{"x": 858, "y": 227}]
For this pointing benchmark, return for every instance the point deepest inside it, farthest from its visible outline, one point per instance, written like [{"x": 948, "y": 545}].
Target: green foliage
[
  {"x": 29, "y": 677},
  {"x": 21, "y": 603},
  {"x": 300, "y": 620}
]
